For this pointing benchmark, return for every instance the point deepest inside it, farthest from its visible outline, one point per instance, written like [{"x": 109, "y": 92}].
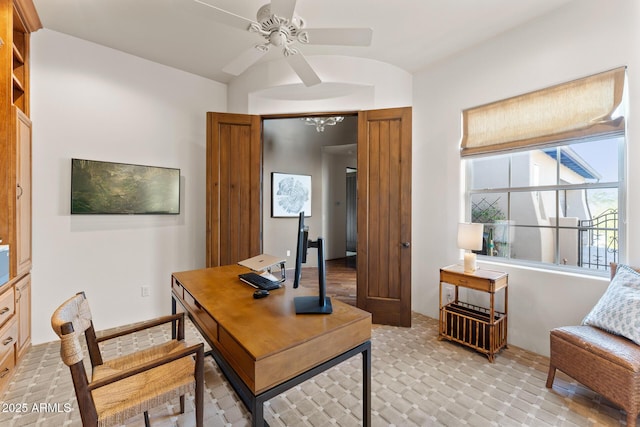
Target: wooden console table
[
  {"x": 480, "y": 328},
  {"x": 261, "y": 345}
]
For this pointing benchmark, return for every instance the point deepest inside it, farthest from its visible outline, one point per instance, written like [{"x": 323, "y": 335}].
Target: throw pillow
[{"x": 618, "y": 310}]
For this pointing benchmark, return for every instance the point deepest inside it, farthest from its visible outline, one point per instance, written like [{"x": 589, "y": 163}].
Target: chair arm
[
  {"x": 142, "y": 326},
  {"x": 197, "y": 349}
]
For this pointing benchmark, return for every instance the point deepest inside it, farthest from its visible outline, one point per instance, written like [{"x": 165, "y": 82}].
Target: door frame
[{"x": 387, "y": 305}]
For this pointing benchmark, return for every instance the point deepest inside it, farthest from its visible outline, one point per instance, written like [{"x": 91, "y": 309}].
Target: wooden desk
[{"x": 261, "y": 345}]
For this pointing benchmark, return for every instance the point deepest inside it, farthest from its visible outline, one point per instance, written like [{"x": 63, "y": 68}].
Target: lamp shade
[{"x": 470, "y": 236}]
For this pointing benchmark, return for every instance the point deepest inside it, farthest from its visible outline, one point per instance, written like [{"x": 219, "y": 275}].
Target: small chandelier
[{"x": 321, "y": 122}]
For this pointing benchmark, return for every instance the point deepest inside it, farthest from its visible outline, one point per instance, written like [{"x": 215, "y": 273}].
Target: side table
[{"x": 483, "y": 329}]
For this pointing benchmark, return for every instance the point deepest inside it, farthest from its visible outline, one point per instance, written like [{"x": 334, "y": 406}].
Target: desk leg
[
  {"x": 257, "y": 413},
  {"x": 366, "y": 386},
  {"x": 173, "y": 323}
]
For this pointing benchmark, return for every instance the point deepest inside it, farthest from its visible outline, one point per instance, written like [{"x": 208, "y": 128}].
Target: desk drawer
[
  {"x": 177, "y": 288},
  {"x": 202, "y": 317},
  {"x": 7, "y": 305},
  {"x": 470, "y": 282},
  {"x": 8, "y": 338}
]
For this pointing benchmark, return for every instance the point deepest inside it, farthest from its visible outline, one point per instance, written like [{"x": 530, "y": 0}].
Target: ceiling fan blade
[
  {"x": 283, "y": 8},
  {"x": 243, "y": 61},
  {"x": 303, "y": 69},
  {"x": 340, "y": 36},
  {"x": 224, "y": 17}
]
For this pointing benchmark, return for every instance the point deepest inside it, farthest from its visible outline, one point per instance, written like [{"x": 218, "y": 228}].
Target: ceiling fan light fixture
[{"x": 321, "y": 122}]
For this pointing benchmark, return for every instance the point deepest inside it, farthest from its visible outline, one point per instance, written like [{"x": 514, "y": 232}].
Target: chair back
[
  {"x": 613, "y": 266},
  {"x": 70, "y": 321}
]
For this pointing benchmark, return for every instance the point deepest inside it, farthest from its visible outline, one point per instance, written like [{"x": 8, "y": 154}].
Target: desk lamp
[{"x": 470, "y": 239}]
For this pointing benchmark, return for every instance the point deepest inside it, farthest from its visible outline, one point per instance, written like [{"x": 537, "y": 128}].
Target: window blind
[{"x": 585, "y": 107}]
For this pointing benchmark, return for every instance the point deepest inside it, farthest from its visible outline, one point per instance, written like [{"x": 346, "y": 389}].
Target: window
[
  {"x": 556, "y": 205},
  {"x": 544, "y": 173}
]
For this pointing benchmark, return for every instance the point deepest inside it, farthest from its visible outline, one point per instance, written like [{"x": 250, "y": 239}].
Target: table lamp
[{"x": 470, "y": 239}]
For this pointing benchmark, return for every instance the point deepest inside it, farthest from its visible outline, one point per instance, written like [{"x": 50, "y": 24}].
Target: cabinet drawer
[
  {"x": 202, "y": 317},
  {"x": 7, "y": 305},
  {"x": 7, "y": 366},
  {"x": 8, "y": 337}
]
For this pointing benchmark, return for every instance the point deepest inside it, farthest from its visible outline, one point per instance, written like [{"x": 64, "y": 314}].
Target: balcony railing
[{"x": 598, "y": 240}]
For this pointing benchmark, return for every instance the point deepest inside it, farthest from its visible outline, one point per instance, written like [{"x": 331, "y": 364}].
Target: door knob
[{"x": 406, "y": 244}]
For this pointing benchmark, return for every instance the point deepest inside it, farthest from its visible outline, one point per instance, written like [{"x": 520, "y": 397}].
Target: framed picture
[
  {"x": 99, "y": 187},
  {"x": 290, "y": 195}
]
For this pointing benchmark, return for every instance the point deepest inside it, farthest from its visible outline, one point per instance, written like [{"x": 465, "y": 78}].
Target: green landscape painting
[{"x": 118, "y": 188}]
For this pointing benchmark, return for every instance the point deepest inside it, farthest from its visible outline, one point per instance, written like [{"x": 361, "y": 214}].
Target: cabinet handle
[
  {"x": 4, "y": 372},
  {"x": 7, "y": 341},
  {"x": 4, "y": 310},
  {"x": 21, "y": 190}
]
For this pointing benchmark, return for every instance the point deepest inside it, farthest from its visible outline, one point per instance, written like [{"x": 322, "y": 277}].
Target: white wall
[
  {"x": 96, "y": 103},
  {"x": 583, "y": 38}
]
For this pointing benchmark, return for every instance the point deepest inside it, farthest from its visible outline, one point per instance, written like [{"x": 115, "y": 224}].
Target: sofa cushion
[{"x": 618, "y": 310}]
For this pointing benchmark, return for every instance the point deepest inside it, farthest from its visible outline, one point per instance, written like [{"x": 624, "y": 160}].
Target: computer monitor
[{"x": 320, "y": 304}]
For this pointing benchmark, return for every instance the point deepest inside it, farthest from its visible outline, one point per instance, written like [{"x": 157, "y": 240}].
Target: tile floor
[{"x": 416, "y": 381}]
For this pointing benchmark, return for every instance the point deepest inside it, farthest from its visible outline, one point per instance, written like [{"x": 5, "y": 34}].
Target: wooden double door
[{"x": 234, "y": 203}]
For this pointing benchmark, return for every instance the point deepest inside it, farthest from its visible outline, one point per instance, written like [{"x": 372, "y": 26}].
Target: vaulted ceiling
[{"x": 411, "y": 34}]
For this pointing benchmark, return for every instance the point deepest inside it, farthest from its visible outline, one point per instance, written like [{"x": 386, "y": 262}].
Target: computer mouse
[{"x": 260, "y": 293}]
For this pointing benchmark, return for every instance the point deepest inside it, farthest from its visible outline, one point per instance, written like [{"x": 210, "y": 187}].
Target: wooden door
[
  {"x": 384, "y": 215},
  {"x": 234, "y": 168},
  {"x": 352, "y": 211},
  {"x": 23, "y": 191}
]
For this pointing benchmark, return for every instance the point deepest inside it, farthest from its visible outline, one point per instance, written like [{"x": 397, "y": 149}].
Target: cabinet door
[
  {"x": 23, "y": 312},
  {"x": 23, "y": 192}
]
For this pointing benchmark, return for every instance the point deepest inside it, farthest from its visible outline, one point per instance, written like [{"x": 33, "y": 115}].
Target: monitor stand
[
  {"x": 320, "y": 304},
  {"x": 311, "y": 305}
]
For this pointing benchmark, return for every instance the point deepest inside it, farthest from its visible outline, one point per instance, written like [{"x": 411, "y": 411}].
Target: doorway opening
[{"x": 329, "y": 158}]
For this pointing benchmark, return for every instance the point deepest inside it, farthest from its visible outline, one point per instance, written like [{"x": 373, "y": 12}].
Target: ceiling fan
[{"x": 279, "y": 27}]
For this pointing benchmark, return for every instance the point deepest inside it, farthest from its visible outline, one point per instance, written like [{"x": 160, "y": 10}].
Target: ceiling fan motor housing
[{"x": 280, "y": 31}]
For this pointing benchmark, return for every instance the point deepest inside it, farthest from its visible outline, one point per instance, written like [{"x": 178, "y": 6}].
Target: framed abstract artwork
[
  {"x": 290, "y": 195},
  {"x": 103, "y": 188}
]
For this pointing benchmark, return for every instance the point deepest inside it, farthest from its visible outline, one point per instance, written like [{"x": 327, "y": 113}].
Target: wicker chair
[
  {"x": 132, "y": 384},
  {"x": 606, "y": 363}
]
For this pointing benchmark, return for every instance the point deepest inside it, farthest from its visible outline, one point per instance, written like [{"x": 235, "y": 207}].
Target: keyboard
[{"x": 258, "y": 281}]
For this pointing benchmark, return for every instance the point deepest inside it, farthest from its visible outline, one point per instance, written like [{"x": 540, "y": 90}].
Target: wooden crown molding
[{"x": 27, "y": 11}]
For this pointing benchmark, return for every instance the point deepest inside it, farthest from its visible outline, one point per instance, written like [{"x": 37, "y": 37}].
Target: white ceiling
[{"x": 410, "y": 34}]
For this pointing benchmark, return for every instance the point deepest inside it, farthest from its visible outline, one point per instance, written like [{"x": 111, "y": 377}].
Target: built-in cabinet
[
  {"x": 18, "y": 19},
  {"x": 22, "y": 187}
]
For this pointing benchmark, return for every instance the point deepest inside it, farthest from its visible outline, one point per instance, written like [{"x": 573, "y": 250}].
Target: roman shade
[{"x": 580, "y": 108}]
